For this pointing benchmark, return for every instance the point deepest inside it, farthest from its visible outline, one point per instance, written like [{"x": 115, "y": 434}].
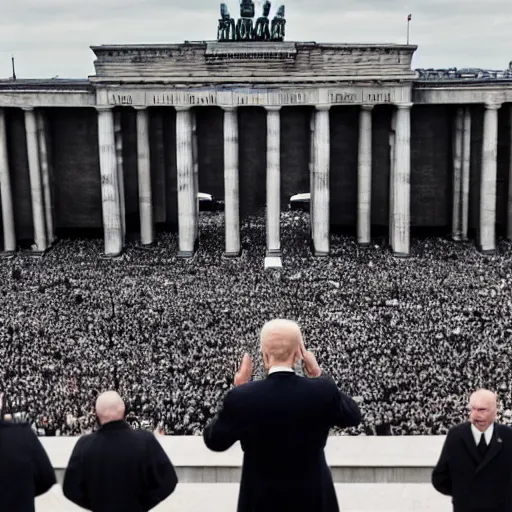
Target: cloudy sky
[{"x": 52, "y": 37}]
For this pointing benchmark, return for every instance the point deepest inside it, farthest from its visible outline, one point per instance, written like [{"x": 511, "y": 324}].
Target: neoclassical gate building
[{"x": 376, "y": 143}]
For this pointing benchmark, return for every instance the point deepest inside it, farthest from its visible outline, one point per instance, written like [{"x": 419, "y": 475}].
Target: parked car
[
  {"x": 208, "y": 203},
  {"x": 300, "y": 202}
]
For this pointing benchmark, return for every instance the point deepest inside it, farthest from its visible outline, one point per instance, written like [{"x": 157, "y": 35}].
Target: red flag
[{"x": 409, "y": 18}]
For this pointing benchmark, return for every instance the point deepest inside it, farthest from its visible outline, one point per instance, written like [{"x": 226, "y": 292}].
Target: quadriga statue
[
  {"x": 226, "y": 30},
  {"x": 262, "y": 29},
  {"x": 278, "y": 24},
  {"x": 244, "y": 26}
]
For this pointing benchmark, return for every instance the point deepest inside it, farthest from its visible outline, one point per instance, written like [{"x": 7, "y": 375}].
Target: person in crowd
[
  {"x": 282, "y": 423},
  {"x": 117, "y": 468},
  {"x": 25, "y": 469},
  {"x": 475, "y": 466}
]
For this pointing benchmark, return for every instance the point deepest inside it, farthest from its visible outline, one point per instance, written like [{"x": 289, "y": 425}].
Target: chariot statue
[
  {"x": 244, "y": 26},
  {"x": 262, "y": 28},
  {"x": 226, "y": 30},
  {"x": 245, "y": 30},
  {"x": 278, "y": 24}
]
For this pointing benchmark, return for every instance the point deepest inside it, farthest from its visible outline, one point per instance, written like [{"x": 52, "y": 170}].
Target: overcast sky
[{"x": 52, "y": 37}]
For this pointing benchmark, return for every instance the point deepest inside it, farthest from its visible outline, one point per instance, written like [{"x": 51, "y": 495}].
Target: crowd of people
[{"x": 408, "y": 338}]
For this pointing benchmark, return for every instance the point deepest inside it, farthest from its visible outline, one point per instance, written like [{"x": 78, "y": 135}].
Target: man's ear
[
  {"x": 296, "y": 357},
  {"x": 265, "y": 360}
]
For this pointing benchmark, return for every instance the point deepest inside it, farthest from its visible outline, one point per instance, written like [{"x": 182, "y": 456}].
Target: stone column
[
  {"x": 273, "y": 181},
  {"x": 231, "y": 192},
  {"x": 118, "y": 129},
  {"x": 45, "y": 177},
  {"x": 110, "y": 198},
  {"x": 5, "y": 190},
  {"x": 487, "y": 227},
  {"x": 187, "y": 210},
  {"x": 311, "y": 169},
  {"x": 392, "y": 155},
  {"x": 364, "y": 176},
  {"x": 457, "y": 146},
  {"x": 147, "y": 231},
  {"x": 195, "y": 160},
  {"x": 36, "y": 184},
  {"x": 466, "y": 165},
  {"x": 509, "y": 210},
  {"x": 321, "y": 167},
  {"x": 400, "y": 239}
]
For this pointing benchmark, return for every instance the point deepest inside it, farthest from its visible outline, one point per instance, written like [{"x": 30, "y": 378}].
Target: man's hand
[
  {"x": 311, "y": 368},
  {"x": 244, "y": 374}
]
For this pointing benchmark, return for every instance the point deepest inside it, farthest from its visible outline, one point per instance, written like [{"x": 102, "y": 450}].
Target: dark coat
[
  {"x": 476, "y": 484},
  {"x": 283, "y": 424},
  {"x": 118, "y": 469},
  {"x": 25, "y": 469}
]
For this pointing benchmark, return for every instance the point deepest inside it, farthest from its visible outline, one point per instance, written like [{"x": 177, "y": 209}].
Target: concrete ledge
[
  {"x": 341, "y": 451},
  {"x": 231, "y": 255},
  {"x": 407, "y": 459}
]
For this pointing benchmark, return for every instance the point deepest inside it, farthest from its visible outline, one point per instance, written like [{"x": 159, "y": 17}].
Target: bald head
[
  {"x": 483, "y": 407},
  {"x": 109, "y": 407},
  {"x": 280, "y": 343}
]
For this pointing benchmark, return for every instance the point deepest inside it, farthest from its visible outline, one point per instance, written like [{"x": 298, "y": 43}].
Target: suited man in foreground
[
  {"x": 117, "y": 468},
  {"x": 475, "y": 466},
  {"x": 25, "y": 469},
  {"x": 283, "y": 423}
]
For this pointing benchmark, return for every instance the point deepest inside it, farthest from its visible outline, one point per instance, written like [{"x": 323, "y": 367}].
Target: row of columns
[
  {"x": 486, "y": 233},
  {"x": 112, "y": 180},
  {"x": 319, "y": 170},
  {"x": 110, "y": 145},
  {"x": 40, "y": 182}
]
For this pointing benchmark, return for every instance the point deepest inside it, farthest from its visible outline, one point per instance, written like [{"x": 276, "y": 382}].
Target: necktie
[{"x": 482, "y": 446}]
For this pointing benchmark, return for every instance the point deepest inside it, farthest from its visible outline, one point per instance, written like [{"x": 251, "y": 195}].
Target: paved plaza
[{"x": 223, "y": 497}]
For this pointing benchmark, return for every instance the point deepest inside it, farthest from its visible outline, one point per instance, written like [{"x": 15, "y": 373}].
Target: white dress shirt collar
[
  {"x": 275, "y": 369},
  {"x": 477, "y": 434}
]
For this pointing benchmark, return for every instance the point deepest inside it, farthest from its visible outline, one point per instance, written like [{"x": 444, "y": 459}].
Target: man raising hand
[{"x": 282, "y": 424}]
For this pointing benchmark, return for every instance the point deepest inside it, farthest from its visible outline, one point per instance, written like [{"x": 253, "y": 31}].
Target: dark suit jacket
[
  {"x": 25, "y": 469},
  {"x": 476, "y": 484},
  {"x": 283, "y": 423},
  {"x": 118, "y": 469}
]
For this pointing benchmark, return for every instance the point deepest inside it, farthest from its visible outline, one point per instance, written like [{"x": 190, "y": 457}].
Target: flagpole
[{"x": 408, "y": 27}]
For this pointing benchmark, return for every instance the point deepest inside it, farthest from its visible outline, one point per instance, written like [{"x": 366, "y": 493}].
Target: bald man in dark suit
[
  {"x": 475, "y": 466},
  {"x": 117, "y": 468}
]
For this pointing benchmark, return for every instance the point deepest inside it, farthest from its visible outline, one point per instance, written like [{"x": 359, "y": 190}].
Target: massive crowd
[{"x": 409, "y": 338}]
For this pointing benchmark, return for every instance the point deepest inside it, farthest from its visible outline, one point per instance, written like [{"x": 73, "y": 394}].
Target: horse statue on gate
[
  {"x": 278, "y": 24},
  {"x": 262, "y": 30},
  {"x": 226, "y": 29},
  {"x": 244, "y": 26}
]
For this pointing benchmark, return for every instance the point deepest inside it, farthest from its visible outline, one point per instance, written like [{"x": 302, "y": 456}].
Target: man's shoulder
[
  {"x": 85, "y": 440},
  {"x": 9, "y": 429},
  {"x": 503, "y": 430},
  {"x": 459, "y": 429}
]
